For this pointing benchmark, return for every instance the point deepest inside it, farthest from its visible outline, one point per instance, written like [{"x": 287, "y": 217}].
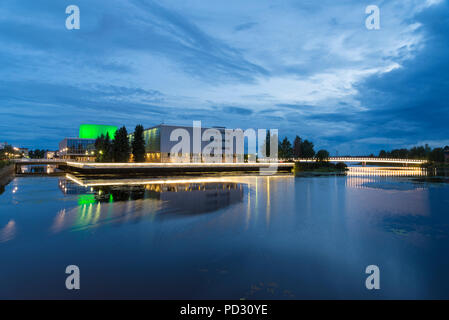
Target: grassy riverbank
[
  {"x": 4, "y": 163},
  {"x": 6, "y": 174},
  {"x": 319, "y": 168},
  {"x": 435, "y": 165}
]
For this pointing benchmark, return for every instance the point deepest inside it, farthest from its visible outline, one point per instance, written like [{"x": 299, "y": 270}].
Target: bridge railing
[
  {"x": 370, "y": 159},
  {"x": 25, "y": 160}
]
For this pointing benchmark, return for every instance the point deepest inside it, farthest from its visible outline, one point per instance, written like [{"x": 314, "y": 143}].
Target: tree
[
  {"x": 6, "y": 152},
  {"x": 120, "y": 146},
  {"x": 285, "y": 149},
  {"x": 437, "y": 155},
  {"x": 382, "y": 154},
  {"x": 417, "y": 153},
  {"x": 322, "y": 155},
  {"x": 399, "y": 153},
  {"x": 36, "y": 154},
  {"x": 307, "y": 149},
  {"x": 297, "y": 147},
  {"x": 107, "y": 155},
  {"x": 99, "y": 148},
  {"x": 138, "y": 144},
  {"x": 103, "y": 149}
]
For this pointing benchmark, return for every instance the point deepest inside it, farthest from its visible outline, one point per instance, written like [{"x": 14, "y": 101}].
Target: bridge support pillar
[{"x": 364, "y": 164}]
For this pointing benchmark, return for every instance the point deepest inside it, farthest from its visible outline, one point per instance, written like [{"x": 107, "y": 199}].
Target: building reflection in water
[
  {"x": 108, "y": 201},
  {"x": 118, "y": 201}
]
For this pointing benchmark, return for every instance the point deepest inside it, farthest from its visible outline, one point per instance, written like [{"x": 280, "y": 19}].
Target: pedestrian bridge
[
  {"x": 88, "y": 166},
  {"x": 369, "y": 160},
  {"x": 29, "y": 162},
  {"x": 95, "y": 164}
]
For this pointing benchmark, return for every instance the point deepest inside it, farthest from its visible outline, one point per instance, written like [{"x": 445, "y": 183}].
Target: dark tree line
[
  {"x": 300, "y": 149},
  {"x": 138, "y": 144},
  {"x": 420, "y": 152},
  {"x": 120, "y": 148},
  {"x": 37, "y": 154},
  {"x": 9, "y": 152},
  {"x": 103, "y": 149}
]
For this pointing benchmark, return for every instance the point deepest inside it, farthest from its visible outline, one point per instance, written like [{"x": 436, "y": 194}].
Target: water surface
[{"x": 243, "y": 237}]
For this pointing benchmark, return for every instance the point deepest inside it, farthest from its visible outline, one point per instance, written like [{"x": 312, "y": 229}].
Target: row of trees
[
  {"x": 119, "y": 149},
  {"x": 6, "y": 152},
  {"x": 37, "y": 154},
  {"x": 9, "y": 152},
  {"x": 421, "y": 152},
  {"x": 300, "y": 149}
]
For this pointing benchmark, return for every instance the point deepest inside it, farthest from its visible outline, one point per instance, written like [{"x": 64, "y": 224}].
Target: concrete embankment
[
  {"x": 163, "y": 169},
  {"x": 6, "y": 175}
]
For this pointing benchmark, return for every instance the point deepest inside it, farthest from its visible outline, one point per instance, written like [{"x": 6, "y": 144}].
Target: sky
[{"x": 308, "y": 68}]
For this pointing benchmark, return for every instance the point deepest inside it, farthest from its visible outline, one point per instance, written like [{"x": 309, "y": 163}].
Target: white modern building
[{"x": 158, "y": 144}]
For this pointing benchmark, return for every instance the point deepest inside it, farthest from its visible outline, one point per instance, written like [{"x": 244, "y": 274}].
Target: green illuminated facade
[{"x": 93, "y": 131}]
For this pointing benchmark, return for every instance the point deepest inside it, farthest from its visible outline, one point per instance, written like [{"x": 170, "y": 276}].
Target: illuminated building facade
[
  {"x": 77, "y": 149},
  {"x": 158, "y": 144},
  {"x": 82, "y": 148},
  {"x": 93, "y": 131}
]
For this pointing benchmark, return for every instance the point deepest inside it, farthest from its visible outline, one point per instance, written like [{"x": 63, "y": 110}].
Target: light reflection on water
[
  {"x": 372, "y": 177},
  {"x": 387, "y": 171},
  {"x": 8, "y": 232},
  {"x": 227, "y": 237},
  {"x": 114, "y": 202}
]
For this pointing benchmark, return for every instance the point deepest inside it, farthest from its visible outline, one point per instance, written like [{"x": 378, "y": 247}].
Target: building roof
[{"x": 182, "y": 126}]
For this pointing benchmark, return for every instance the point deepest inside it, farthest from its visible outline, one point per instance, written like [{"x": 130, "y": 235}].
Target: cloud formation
[{"x": 305, "y": 68}]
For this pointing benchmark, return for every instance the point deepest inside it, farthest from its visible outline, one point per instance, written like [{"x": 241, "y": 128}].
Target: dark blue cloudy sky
[{"x": 304, "y": 67}]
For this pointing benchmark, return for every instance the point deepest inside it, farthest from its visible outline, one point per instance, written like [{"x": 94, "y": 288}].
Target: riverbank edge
[
  {"x": 438, "y": 165},
  {"x": 6, "y": 175},
  {"x": 319, "y": 173}
]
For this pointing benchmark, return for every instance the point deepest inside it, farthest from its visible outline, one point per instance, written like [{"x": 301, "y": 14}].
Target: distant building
[
  {"x": 18, "y": 152},
  {"x": 23, "y": 151},
  {"x": 93, "y": 131},
  {"x": 77, "y": 149},
  {"x": 82, "y": 148},
  {"x": 51, "y": 154},
  {"x": 158, "y": 144}
]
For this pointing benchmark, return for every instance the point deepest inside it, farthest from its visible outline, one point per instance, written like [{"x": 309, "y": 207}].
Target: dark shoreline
[
  {"x": 6, "y": 176},
  {"x": 318, "y": 173}
]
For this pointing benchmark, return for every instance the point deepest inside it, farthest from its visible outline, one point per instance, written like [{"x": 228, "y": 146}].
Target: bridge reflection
[{"x": 366, "y": 177}]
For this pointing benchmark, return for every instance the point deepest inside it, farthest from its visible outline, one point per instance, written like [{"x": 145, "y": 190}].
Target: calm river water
[{"x": 236, "y": 237}]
